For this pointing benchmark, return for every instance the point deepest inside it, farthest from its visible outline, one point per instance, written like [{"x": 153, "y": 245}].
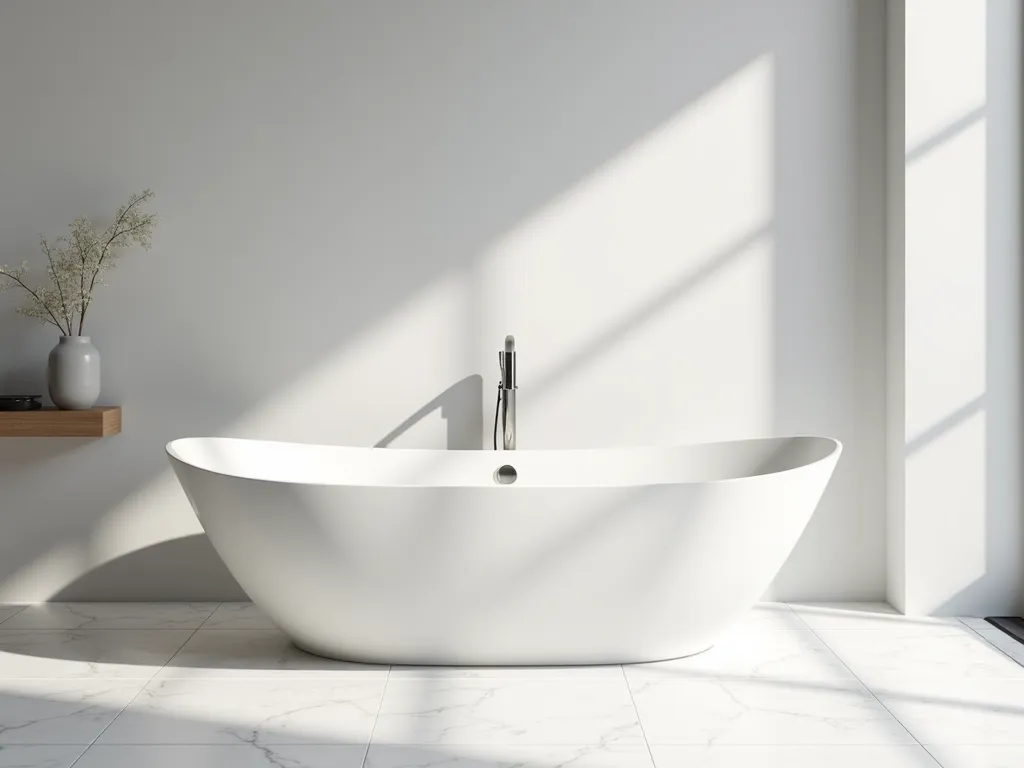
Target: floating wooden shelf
[{"x": 101, "y": 421}]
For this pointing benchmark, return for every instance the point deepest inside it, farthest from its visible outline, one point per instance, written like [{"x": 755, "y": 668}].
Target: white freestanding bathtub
[{"x": 424, "y": 557}]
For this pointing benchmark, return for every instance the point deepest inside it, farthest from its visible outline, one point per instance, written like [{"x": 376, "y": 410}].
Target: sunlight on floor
[{"x": 212, "y": 684}]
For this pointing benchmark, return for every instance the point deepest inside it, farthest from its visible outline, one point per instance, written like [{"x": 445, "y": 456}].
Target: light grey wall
[{"x": 676, "y": 207}]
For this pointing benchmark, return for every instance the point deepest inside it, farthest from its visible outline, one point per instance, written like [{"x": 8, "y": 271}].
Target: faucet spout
[{"x": 507, "y": 394}]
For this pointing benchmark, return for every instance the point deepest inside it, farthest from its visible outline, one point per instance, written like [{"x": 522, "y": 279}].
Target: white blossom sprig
[{"x": 76, "y": 263}]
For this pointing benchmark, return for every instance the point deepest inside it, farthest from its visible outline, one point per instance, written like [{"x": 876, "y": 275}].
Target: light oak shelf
[{"x": 101, "y": 421}]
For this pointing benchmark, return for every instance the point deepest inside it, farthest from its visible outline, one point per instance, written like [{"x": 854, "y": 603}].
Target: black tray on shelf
[{"x": 20, "y": 402}]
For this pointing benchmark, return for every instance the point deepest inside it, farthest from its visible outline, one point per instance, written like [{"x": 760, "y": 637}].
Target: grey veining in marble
[
  {"x": 777, "y": 655},
  {"x": 111, "y": 616},
  {"x": 506, "y": 756},
  {"x": 763, "y": 712},
  {"x": 842, "y": 686},
  {"x": 68, "y": 711},
  {"x": 36, "y": 756},
  {"x": 605, "y": 672},
  {"x": 809, "y": 756},
  {"x": 238, "y": 616},
  {"x": 220, "y": 756},
  {"x": 210, "y": 711},
  {"x": 764, "y": 617},
  {"x": 882, "y": 656},
  {"x": 508, "y": 711},
  {"x": 256, "y": 653},
  {"x": 133, "y": 653}
]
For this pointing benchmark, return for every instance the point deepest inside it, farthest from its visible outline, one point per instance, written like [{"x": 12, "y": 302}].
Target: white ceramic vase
[{"x": 73, "y": 373}]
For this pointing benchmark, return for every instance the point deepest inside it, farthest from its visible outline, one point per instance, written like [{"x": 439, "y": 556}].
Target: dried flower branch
[{"x": 76, "y": 263}]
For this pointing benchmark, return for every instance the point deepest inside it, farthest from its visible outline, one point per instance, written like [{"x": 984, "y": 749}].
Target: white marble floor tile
[
  {"x": 250, "y": 711},
  {"x": 238, "y": 616},
  {"x": 884, "y": 656},
  {"x": 220, "y": 756},
  {"x": 999, "y": 639},
  {"x": 507, "y": 711},
  {"x": 7, "y": 611},
  {"x": 845, "y": 756},
  {"x": 868, "y": 616},
  {"x": 39, "y": 756},
  {"x": 964, "y": 711},
  {"x": 134, "y": 653},
  {"x": 812, "y": 756},
  {"x": 975, "y": 622},
  {"x": 60, "y": 711},
  {"x": 976, "y": 756},
  {"x": 111, "y": 616},
  {"x": 505, "y": 756},
  {"x": 764, "y": 617},
  {"x": 227, "y": 653},
  {"x": 770, "y": 693},
  {"x": 714, "y": 712},
  {"x": 775, "y": 654},
  {"x": 602, "y": 672}
]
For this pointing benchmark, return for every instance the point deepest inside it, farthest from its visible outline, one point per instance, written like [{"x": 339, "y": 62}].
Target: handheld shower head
[
  {"x": 506, "y": 405},
  {"x": 507, "y": 363}
]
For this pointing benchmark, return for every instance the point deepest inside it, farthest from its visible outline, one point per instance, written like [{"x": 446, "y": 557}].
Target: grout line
[
  {"x": 625, "y": 679},
  {"x": 373, "y": 728},
  {"x": 22, "y": 608},
  {"x": 929, "y": 753},
  {"x": 133, "y": 698},
  {"x": 992, "y": 645},
  {"x": 246, "y": 745},
  {"x": 874, "y": 695},
  {"x": 80, "y": 754},
  {"x": 86, "y": 628},
  {"x": 111, "y": 629},
  {"x": 736, "y": 748},
  {"x": 801, "y": 619},
  {"x": 897, "y": 621},
  {"x": 215, "y": 609}
]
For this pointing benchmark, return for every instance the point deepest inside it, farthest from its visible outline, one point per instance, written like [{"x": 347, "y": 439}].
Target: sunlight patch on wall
[
  {"x": 945, "y": 65},
  {"x": 406, "y": 359},
  {"x": 945, "y": 263},
  {"x": 656, "y": 266}
]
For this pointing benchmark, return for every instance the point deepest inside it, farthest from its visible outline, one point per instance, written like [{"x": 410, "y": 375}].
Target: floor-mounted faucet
[{"x": 506, "y": 405}]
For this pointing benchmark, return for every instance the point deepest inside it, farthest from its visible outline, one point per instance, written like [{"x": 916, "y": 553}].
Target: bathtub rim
[{"x": 835, "y": 449}]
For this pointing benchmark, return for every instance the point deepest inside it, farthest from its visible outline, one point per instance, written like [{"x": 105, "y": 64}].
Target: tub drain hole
[{"x": 505, "y": 475}]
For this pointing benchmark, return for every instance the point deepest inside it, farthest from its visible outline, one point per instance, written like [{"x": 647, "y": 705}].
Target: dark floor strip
[{"x": 1011, "y": 625}]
